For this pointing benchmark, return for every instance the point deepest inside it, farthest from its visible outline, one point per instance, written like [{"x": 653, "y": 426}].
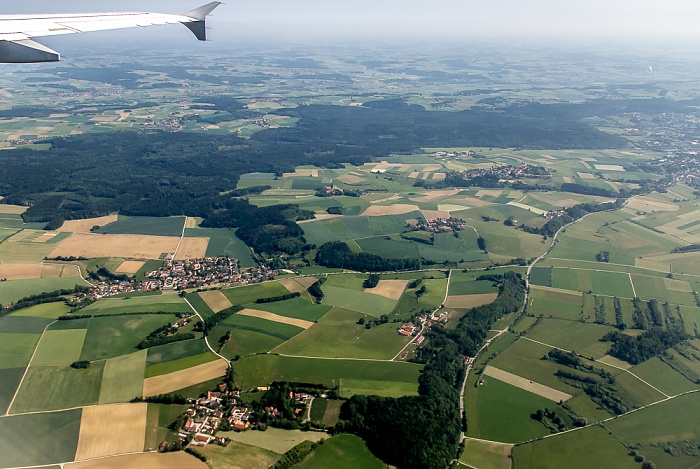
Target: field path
[
  {"x": 634, "y": 292},
  {"x": 182, "y": 236},
  {"x": 206, "y": 341}
]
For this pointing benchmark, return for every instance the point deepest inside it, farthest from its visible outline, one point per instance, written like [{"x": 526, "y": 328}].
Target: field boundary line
[
  {"x": 182, "y": 236},
  {"x": 206, "y": 340},
  {"x": 26, "y": 370},
  {"x": 339, "y": 358},
  {"x": 634, "y": 292}
]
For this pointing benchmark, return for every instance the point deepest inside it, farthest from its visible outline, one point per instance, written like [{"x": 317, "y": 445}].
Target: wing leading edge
[{"x": 16, "y": 31}]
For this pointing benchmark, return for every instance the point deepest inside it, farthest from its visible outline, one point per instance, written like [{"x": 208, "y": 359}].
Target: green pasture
[
  {"x": 600, "y": 282},
  {"x": 583, "y": 338},
  {"x": 13, "y": 290},
  {"x": 343, "y": 451},
  {"x": 112, "y": 336},
  {"x": 239, "y": 455},
  {"x": 175, "y": 351},
  {"x": 334, "y": 229},
  {"x": 9, "y": 381},
  {"x": 244, "y": 342},
  {"x": 350, "y": 387},
  {"x": 459, "y": 285},
  {"x": 503, "y": 413},
  {"x": 339, "y": 335},
  {"x": 170, "y": 303},
  {"x": 664, "y": 290},
  {"x": 200, "y": 305},
  {"x": 485, "y": 455},
  {"x": 555, "y": 304},
  {"x": 250, "y": 293},
  {"x": 250, "y": 323},
  {"x": 273, "y": 439},
  {"x": 634, "y": 391},
  {"x": 576, "y": 450},
  {"x": 261, "y": 370},
  {"x": 348, "y": 281},
  {"x": 122, "y": 379},
  {"x": 39, "y": 439},
  {"x": 362, "y": 302},
  {"x": 16, "y": 349},
  {"x": 46, "y": 310},
  {"x": 58, "y": 387},
  {"x": 297, "y": 308},
  {"x": 541, "y": 276},
  {"x": 223, "y": 242},
  {"x": 662, "y": 376},
  {"x": 59, "y": 348},
  {"x": 155, "y": 226},
  {"x": 23, "y": 325},
  {"x": 179, "y": 364}
]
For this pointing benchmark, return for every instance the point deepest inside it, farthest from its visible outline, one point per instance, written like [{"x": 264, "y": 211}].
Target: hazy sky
[{"x": 440, "y": 18}]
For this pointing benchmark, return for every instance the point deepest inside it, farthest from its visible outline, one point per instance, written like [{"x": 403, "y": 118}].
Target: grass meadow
[
  {"x": 122, "y": 379},
  {"x": 361, "y": 302},
  {"x": 16, "y": 349},
  {"x": 179, "y": 364},
  {"x": 112, "y": 336},
  {"x": 9, "y": 380},
  {"x": 59, "y": 348},
  {"x": 13, "y": 290},
  {"x": 341, "y": 452}
]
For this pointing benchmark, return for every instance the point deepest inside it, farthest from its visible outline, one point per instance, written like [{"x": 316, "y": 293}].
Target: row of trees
[{"x": 338, "y": 254}]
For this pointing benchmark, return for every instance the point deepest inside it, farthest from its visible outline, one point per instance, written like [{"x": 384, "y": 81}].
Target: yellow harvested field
[
  {"x": 45, "y": 237},
  {"x": 299, "y": 284},
  {"x": 56, "y": 270},
  {"x": 122, "y": 245},
  {"x": 170, "y": 382},
  {"x": 648, "y": 204},
  {"x": 527, "y": 385},
  {"x": 470, "y": 301},
  {"x": 439, "y": 176},
  {"x": 608, "y": 167},
  {"x": 303, "y": 173},
  {"x": 568, "y": 179},
  {"x": 435, "y": 214},
  {"x": 586, "y": 175},
  {"x": 529, "y": 208},
  {"x": 389, "y": 288},
  {"x": 12, "y": 209},
  {"x": 473, "y": 201},
  {"x": 21, "y": 271},
  {"x": 111, "y": 429},
  {"x": 556, "y": 290},
  {"x": 558, "y": 203},
  {"x": 192, "y": 248},
  {"x": 129, "y": 267},
  {"x": 677, "y": 285},
  {"x": 350, "y": 179},
  {"x": 585, "y": 164},
  {"x": 320, "y": 216},
  {"x": 414, "y": 175},
  {"x": 652, "y": 264},
  {"x": 176, "y": 460},
  {"x": 190, "y": 222},
  {"x": 276, "y": 318},
  {"x": 452, "y": 208},
  {"x": 84, "y": 226},
  {"x": 433, "y": 195},
  {"x": 489, "y": 192},
  {"x": 479, "y": 447},
  {"x": 396, "y": 209},
  {"x": 608, "y": 360},
  {"x": 216, "y": 300}
]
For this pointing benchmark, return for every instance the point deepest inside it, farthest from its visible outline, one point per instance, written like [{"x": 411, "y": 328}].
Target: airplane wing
[{"x": 17, "y": 31}]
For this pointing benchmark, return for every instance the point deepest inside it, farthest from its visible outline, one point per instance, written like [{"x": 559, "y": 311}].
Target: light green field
[
  {"x": 663, "y": 377},
  {"x": 46, "y": 438},
  {"x": 112, "y": 336},
  {"x": 555, "y": 304},
  {"x": 244, "y": 342},
  {"x": 59, "y": 348},
  {"x": 122, "y": 379},
  {"x": 175, "y": 351},
  {"x": 297, "y": 308},
  {"x": 170, "y": 303},
  {"x": 156, "y": 226},
  {"x": 577, "y": 450},
  {"x": 14, "y": 290},
  {"x": 351, "y": 387},
  {"x": 486, "y": 455},
  {"x": 9, "y": 381},
  {"x": 238, "y": 456},
  {"x": 46, "y": 310},
  {"x": 347, "y": 281},
  {"x": 261, "y": 370},
  {"x": 342, "y": 452},
  {"x": 658, "y": 288},
  {"x": 600, "y": 282},
  {"x": 273, "y": 439},
  {"x": 250, "y": 323},
  {"x": 224, "y": 242},
  {"x": 23, "y": 325},
  {"x": 583, "y": 338},
  {"x": 180, "y": 364},
  {"x": 248, "y": 294},
  {"x": 368, "y": 303},
  {"x": 16, "y": 349},
  {"x": 55, "y": 387},
  {"x": 338, "y": 335}
]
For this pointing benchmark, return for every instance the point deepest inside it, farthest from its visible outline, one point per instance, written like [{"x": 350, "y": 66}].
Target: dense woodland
[
  {"x": 338, "y": 254},
  {"x": 423, "y": 431}
]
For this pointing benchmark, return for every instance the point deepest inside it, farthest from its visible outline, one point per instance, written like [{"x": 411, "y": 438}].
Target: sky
[{"x": 593, "y": 19}]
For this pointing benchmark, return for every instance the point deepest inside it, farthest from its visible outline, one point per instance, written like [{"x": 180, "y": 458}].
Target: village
[
  {"x": 183, "y": 274},
  {"x": 506, "y": 173},
  {"x": 415, "y": 329},
  {"x": 437, "y": 225}
]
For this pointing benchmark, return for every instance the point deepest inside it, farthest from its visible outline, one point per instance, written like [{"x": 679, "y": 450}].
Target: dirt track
[{"x": 527, "y": 385}]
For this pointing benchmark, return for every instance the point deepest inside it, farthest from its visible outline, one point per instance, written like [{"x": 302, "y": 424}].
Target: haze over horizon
[{"x": 594, "y": 19}]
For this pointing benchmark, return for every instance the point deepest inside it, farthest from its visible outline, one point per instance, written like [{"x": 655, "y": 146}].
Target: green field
[
  {"x": 261, "y": 370},
  {"x": 56, "y": 387},
  {"x": 663, "y": 377},
  {"x": 239, "y": 456},
  {"x": 122, "y": 379},
  {"x": 16, "y": 349},
  {"x": 112, "y": 336},
  {"x": 46, "y": 438},
  {"x": 297, "y": 308},
  {"x": 167, "y": 226},
  {"x": 271, "y": 328},
  {"x": 663, "y": 289},
  {"x": 583, "y": 338},
  {"x": 341, "y": 452},
  {"x": 541, "y": 276},
  {"x": 14, "y": 290},
  {"x": 46, "y": 310},
  {"x": 273, "y": 439},
  {"x": 200, "y": 305},
  {"x": 338, "y": 335},
  {"x": 9, "y": 380},
  {"x": 175, "y": 351},
  {"x": 23, "y": 325},
  {"x": 250, "y": 293},
  {"x": 244, "y": 342},
  {"x": 223, "y": 242},
  {"x": 600, "y": 282},
  {"x": 464, "y": 284},
  {"x": 367, "y": 303},
  {"x": 486, "y": 455},
  {"x": 170, "y": 303},
  {"x": 554, "y": 304},
  {"x": 498, "y": 402},
  {"x": 180, "y": 364},
  {"x": 577, "y": 450},
  {"x": 59, "y": 348}
]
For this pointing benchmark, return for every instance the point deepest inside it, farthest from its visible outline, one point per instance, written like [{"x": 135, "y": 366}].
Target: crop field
[
  {"x": 295, "y": 308},
  {"x": 580, "y": 449},
  {"x": 347, "y": 227},
  {"x": 170, "y": 382},
  {"x": 562, "y": 304},
  {"x": 56, "y": 387},
  {"x": 112, "y": 336},
  {"x": 254, "y": 313},
  {"x": 498, "y": 402},
  {"x": 663, "y": 289},
  {"x": 23, "y": 324},
  {"x": 168, "y": 226},
  {"x": 245, "y": 342},
  {"x": 85, "y": 225},
  {"x": 46, "y": 438},
  {"x": 526, "y": 384},
  {"x": 300, "y": 284},
  {"x": 541, "y": 276},
  {"x": 13, "y": 290},
  {"x": 367, "y": 303},
  {"x": 486, "y": 455},
  {"x": 9, "y": 380},
  {"x": 234, "y": 456},
  {"x": 191, "y": 248},
  {"x": 177, "y": 460},
  {"x": 273, "y": 439},
  {"x": 170, "y": 303},
  {"x": 342, "y": 452},
  {"x": 111, "y": 429},
  {"x": 600, "y": 282},
  {"x": 223, "y": 242},
  {"x": 470, "y": 301},
  {"x": 16, "y": 349},
  {"x": 216, "y": 300},
  {"x": 255, "y": 324},
  {"x": 180, "y": 364},
  {"x": 175, "y": 351},
  {"x": 573, "y": 336},
  {"x": 663, "y": 377},
  {"x": 122, "y": 378},
  {"x": 348, "y": 281},
  {"x": 23, "y": 271},
  {"x": 261, "y": 370},
  {"x": 59, "y": 348},
  {"x": 392, "y": 289},
  {"x": 248, "y": 294}
]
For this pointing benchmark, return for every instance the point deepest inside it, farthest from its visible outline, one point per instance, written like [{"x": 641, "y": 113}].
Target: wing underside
[{"x": 17, "y": 31}]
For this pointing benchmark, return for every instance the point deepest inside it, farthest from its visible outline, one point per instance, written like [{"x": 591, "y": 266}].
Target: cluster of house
[
  {"x": 507, "y": 173},
  {"x": 409, "y": 329},
  {"x": 554, "y": 214},
  {"x": 170, "y": 124},
  {"x": 189, "y": 273},
  {"x": 437, "y": 225},
  {"x": 454, "y": 154}
]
